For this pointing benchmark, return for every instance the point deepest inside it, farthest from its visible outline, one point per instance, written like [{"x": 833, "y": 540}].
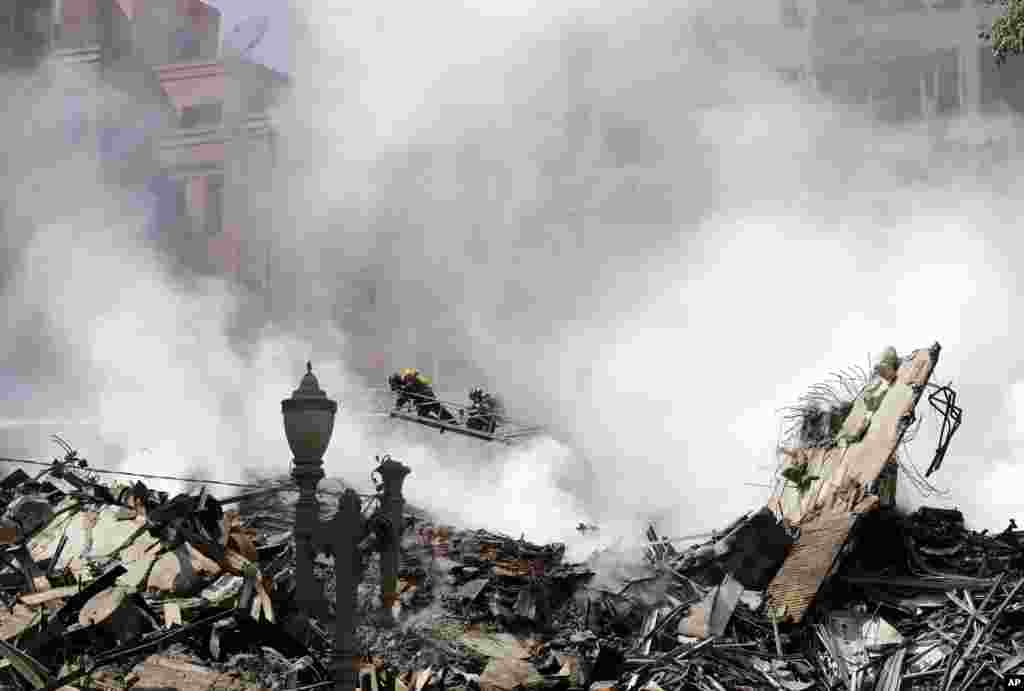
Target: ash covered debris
[
  {"x": 827, "y": 586},
  {"x": 100, "y": 580},
  {"x": 109, "y": 586},
  {"x": 830, "y": 585}
]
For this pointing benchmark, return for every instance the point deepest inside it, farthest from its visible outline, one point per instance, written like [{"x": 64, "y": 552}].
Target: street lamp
[{"x": 308, "y": 424}]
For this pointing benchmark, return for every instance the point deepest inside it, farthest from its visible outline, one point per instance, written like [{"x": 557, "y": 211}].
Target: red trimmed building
[
  {"x": 189, "y": 129},
  {"x": 217, "y": 159}
]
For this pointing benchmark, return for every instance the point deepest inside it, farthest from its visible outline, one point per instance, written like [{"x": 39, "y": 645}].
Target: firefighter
[
  {"x": 410, "y": 386},
  {"x": 413, "y": 386},
  {"x": 483, "y": 411}
]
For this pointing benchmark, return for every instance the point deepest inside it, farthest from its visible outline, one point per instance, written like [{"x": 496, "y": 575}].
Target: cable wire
[
  {"x": 144, "y": 475},
  {"x": 148, "y": 476}
]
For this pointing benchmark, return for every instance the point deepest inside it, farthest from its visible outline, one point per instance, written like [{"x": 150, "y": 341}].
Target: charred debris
[{"x": 827, "y": 586}]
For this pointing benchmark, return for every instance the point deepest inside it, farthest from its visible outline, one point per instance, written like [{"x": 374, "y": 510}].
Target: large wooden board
[{"x": 828, "y": 511}]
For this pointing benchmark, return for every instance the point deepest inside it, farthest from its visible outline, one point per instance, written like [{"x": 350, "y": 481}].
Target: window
[
  {"x": 185, "y": 45},
  {"x": 200, "y": 115},
  {"x": 214, "y": 204},
  {"x": 189, "y": 116}
]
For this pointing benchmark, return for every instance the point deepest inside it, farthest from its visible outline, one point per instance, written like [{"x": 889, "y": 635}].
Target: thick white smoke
[
  {"x": 803, "y": 236},
  {"x": 653, "y": 309}
]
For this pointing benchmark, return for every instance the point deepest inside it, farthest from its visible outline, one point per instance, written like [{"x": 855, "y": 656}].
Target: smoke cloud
[
  {"x": 649, "y": 242},
  {"x": 619, "y": 219}
]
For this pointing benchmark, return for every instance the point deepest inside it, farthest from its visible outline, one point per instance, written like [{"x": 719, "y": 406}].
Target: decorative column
[
  {"x": 344, "y": 532},
  {"x": 392, "y": 504},
  {"x": 308, "y": 424}
]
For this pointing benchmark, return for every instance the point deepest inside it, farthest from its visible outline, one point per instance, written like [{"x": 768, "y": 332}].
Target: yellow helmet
[{"x": 407, "y": 372}]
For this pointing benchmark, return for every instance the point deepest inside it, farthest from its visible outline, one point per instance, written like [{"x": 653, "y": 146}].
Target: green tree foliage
[{"x": 1007, "y": 32}]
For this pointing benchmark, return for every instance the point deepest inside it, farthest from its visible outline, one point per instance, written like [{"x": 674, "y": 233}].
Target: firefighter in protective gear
[
  {"x": 484, "y": 411},
  {"x": 411, "y": 385}
]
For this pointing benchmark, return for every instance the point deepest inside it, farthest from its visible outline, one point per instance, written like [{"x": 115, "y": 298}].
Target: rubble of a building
[
  {"x": 827, "y": 586},
  {"x": 98, "y": 578}
]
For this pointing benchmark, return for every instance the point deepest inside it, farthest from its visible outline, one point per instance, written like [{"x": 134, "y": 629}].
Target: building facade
[
  {"x": 901, "y": 60},
  {"x": 177, "y": 121}
]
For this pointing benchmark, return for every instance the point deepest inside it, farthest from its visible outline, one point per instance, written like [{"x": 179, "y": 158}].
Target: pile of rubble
[
  {"x": 827, "y": 586},
  {"x": 96, "y": 579},
  {"x": 114, "y": 586},
  {"x": 907, "y": 609}
]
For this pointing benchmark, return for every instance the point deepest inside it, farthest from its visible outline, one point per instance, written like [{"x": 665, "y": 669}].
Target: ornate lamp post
[{"x": 308, "y": 424}]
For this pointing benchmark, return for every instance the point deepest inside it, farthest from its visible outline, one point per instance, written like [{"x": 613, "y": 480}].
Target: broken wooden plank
[
  {"x": 38, "y": 598},
  {"x": 829, "y": 515},
  {"x": 808, "y": 565}
]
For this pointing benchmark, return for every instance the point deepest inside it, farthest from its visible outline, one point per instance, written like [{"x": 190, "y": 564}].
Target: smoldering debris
[
  {"x": 829, "y": 585},
  {"x": 103, "y": 579}
]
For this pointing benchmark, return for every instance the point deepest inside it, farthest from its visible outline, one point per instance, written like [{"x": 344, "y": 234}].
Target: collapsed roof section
[{"x": 828, "y": 488}]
